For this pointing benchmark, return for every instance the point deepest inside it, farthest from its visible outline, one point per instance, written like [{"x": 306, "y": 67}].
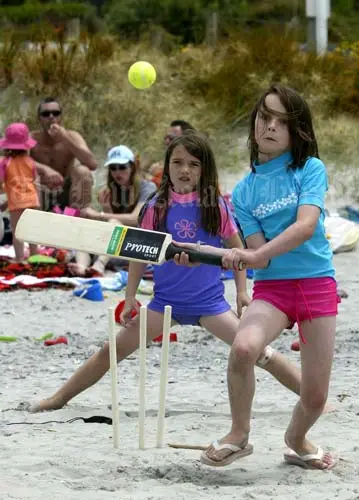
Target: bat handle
[{"x": 197, "y": 256}]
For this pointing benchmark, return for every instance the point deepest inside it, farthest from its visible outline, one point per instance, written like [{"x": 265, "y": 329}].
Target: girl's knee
[
  {"x": 81, "y": 173},
  {"x": 244, "y": 353},
  {"x": 314, "y": 399},
  {"x": 105, "y": 351}
]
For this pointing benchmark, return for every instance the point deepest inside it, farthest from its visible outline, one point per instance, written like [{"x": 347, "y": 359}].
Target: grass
[{"x": 214, "y": 90}]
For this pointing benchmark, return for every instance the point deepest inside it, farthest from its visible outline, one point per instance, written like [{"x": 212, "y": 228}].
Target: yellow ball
[{"x": 142, "y": 75}]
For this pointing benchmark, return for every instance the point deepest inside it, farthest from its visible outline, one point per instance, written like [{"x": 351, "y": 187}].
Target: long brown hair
[
  {"x": 133, "y": 189},
  {"x": 208, "y": 189},
  {"x": 300, "y": 125}
]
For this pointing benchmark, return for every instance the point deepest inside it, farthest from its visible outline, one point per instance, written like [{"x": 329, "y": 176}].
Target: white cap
[{"x": 119, "y": 155}]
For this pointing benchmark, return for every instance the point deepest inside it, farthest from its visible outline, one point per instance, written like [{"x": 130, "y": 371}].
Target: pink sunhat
[{"x": 17, "y": 136}]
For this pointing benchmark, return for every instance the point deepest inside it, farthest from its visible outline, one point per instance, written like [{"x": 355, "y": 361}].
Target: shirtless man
[{"x": 64, "y": 161}]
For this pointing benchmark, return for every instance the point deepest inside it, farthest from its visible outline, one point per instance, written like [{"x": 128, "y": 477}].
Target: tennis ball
[{"x": 142, "y": 75}]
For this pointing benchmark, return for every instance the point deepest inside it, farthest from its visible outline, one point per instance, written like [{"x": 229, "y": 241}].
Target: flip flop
[
  {"x": 237, "y": 452},
  {"x": 291, "y": 457}
]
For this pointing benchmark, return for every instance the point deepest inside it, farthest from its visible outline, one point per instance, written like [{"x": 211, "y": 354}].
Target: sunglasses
[
  {"x": 118, "y": 166},
  {"x": 48, "y": 113}
]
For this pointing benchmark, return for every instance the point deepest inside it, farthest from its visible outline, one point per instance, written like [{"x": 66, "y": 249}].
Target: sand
[{"x": 77, "y": 460}]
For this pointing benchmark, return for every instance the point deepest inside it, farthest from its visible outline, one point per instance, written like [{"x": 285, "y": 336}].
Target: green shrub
[
  {"x": 213, "y": 89},
  {"x": 237, "y": 71},
  {"x": 10, "y": 46},
  {"x": 54, "y": 65},
  {"x": 29, "y": 13}
]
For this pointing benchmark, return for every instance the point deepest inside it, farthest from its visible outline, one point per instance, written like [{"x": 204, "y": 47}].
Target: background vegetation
[{"x": 208, "y": 76}]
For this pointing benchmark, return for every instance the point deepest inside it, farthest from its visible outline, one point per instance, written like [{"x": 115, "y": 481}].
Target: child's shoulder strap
[{"x": 149, "y": 202}]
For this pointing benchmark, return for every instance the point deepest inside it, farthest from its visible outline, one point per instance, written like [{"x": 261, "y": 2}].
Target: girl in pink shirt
[{"x": 18, "y": 172}]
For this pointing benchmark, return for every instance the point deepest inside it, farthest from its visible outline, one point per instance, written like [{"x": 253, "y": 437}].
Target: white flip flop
[
  {"x": 237, "y": 452},
  {"x": 291, "y": 457}
]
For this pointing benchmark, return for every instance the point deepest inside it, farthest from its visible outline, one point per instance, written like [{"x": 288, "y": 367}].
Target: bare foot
[
  {"x": 45, "y": 405},
  {"x": 76, "y": 269},
  {"x": 308, "y": 455},
  {"x": 98, "y": 267}
]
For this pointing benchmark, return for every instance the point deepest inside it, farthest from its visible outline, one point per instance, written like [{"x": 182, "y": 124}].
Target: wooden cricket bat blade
[
  {"x": 104, "y": 238},
  {"x": 63, "y": 231},
  {"x": 96, "y": 237}
]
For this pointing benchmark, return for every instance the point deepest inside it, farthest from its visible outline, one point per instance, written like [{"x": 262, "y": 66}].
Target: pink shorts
[{"x": 300, "y": 299}]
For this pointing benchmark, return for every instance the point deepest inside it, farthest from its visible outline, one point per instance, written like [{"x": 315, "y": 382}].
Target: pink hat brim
[{"x": 29, "y": 144}]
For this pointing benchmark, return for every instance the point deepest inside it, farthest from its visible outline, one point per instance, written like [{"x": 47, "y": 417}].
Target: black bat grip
[{"x": 195, "y": 255}]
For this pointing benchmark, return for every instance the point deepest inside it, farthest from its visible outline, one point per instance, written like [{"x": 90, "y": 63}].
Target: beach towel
[{"x": 343, "y": 234}]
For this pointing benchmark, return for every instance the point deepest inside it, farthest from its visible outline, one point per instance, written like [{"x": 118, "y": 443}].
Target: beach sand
[{"x": 77, "y": 460}]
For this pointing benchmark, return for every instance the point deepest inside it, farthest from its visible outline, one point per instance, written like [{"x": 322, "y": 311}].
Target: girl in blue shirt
[
  {"x": 189, "y": 205},
  {"x": 280, "y": 206}
]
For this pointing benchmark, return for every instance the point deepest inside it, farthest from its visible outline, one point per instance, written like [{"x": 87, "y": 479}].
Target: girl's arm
[
  {"x": 255, "y": 241},
  {"x": 294, "y": 236},
  {"x": 125, "y": 219},
  {"x": 130, "y": 219},
  {"x": 240, "y": 277},
  {"x": 135, "y": 273},
  {"x": 147, "y": 189}
]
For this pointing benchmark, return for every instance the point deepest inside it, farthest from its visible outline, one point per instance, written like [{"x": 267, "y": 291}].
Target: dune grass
[{"x": 212, "y": 89}]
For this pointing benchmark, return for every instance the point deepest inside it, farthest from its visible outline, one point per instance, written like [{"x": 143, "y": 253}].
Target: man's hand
[
  {"x": 57, "y": 131},
  {"x": 51, "y": 178}
]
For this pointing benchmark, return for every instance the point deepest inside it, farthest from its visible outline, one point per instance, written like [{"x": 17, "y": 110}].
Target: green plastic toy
[{"x": 41, "y": 259}]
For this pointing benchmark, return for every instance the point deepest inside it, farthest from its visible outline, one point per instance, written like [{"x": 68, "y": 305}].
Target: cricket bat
[{"x": 103, "y": 238}]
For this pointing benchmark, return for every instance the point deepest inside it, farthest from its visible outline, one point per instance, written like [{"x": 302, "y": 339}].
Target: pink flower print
[{"x": 186, "y": 229}]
